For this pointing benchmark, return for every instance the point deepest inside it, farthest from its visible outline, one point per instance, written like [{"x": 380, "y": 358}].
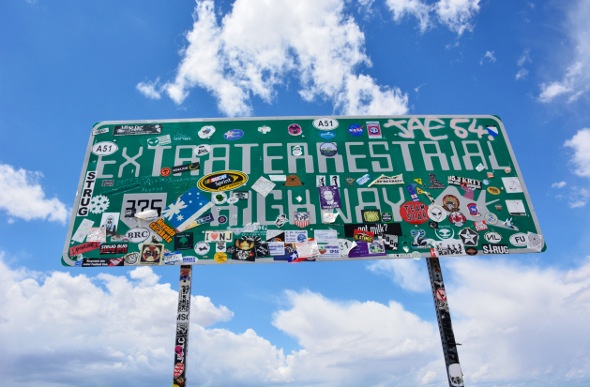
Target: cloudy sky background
[{"x": 521, "y": 320}]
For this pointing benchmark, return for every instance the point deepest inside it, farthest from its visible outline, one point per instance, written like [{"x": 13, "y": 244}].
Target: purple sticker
[
  {"x": 295, "y": 130},
  {"x": 329, "y": 197}
]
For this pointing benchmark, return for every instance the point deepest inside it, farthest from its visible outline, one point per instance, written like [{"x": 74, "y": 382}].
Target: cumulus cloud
[
  {"x": 580, "y": 144},
  {"x": 237, "y": 58},
  {"x": 23, "y": 196},
  {"x": 409, "y": 274},
  {"x": 456, "y": 15},
  {"x": 575, "y": 80},
  {"x": 517, "y": 324},
  {"x": 488, "y": 57}
]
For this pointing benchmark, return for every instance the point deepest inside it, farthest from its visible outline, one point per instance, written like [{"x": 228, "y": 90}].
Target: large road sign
[{"x": 250, "y": 190}]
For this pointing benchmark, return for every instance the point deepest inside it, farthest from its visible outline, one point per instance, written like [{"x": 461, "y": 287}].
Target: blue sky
[{"x": 521, "y": 320}]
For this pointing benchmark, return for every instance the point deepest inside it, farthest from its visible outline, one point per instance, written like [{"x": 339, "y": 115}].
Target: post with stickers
[
  {"x": 300, "y": 189},
  {"x": 182, "y": 326}
]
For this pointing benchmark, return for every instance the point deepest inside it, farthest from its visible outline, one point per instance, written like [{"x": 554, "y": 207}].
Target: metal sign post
[
  {"x": 182, "y": 326},
  {"x": 445, "y": 327}
]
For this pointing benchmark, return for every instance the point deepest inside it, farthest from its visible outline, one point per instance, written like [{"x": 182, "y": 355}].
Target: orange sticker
[{"x": 165, "y": 171}]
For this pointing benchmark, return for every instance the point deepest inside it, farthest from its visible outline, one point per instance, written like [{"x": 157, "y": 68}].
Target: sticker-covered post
[
  {"x": 443, "y": 316},
  {"x": 182, "y": 326}
]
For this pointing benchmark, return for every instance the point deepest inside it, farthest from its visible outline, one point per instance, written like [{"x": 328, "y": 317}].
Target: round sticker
[
  {"x": 104, "y": 148},
  {"x": 219, "y": 197},
  {"x": 328, "y": 149},
  {"x": 297, "y": 150},
  {"x": 355, "y": 130},
  {"x": 450, "y": 203},
  {"x": 386, "y": 217},
  {"x": 325, "y": 123},
  {"x": 220, "y": 257},
  {"x": 414, "y": 212},
  {"x": 437, "y": 213},
  {"x": 295, "y": 129},
  {"x": 206, "y": 131},
  {"x": 202, "y": 248},
  {"x": 165, "y": 171},
  {"x": 202, "y": 150},
  {"x": 494, "y": 190},
  {"x": 457, "y": 218},
  {"x": 222, "y": 219},
  {"x": 233, "y": 134},
  {"x": 491, "y": 218}
]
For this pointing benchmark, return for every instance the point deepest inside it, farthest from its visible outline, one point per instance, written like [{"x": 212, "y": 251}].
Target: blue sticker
[
  {"x": 233, "y": 134},
  {"x": 355, "y": 130},
  {"x": 327, "y": 135}
]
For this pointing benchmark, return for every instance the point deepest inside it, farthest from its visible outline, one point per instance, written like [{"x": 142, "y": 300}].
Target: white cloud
[
  {"x": 521, "y": 74},
  {"x": 521, "y": 323},
  {"x": 517, "y": 325},
  {"x": 259, "y": 47},
  {"x": 575, "y": 81},
  {"x": 580, "y": 143},
  {"x": 151, "y": 90},
  {"x": 23, "y": 197},
  {"x": 456, "y": 15},
  {"x": 409, "y": 274},
  {"x": 488, "y": 57},
  {"x": 559, "y": 184}
]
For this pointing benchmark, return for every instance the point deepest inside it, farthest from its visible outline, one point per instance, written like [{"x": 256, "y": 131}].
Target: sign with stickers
[{"x": 291, "y": 189}]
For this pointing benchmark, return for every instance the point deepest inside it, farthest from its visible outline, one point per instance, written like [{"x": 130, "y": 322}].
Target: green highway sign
[{"x": 285, "y": 189}]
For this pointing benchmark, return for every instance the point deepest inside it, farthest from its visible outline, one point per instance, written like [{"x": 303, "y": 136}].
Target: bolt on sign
[{"x": 288, "y": 189}]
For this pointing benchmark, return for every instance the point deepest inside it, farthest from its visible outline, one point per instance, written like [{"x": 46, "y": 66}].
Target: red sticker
[
  {"x": 414, "y": 212},
  {"x": 178, "y": 369}
]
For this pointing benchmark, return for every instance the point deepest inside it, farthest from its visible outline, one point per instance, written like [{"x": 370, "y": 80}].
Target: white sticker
[
  {"x": 263, "y": 186},
  {"x": 104, "y": 148},
  {"x": 82, "y": 231},
  {"x": 325, "y": 236}
]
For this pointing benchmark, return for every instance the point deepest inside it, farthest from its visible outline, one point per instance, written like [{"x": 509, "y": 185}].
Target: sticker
[
  {"x": 469, "y": 237},
  {"x": 329, "y": 197},
  {"x": 374, "y": 129},
  {"x": 158, "y": 141},
  {"x": 519, "y": 240},
  {"x": 350, "y": 180},
  {"x": 494, "y": 249},
  {"x": 183, "y": 241},
  {"x": 327, "y": 135},
  {"x": 295, "y": 236},
  {"x": 165, "y": 171},
  {"x": 137, "y": 235},
  {"x": 206, "y": 131},
  {"x": 186, "y": 167},
  {"x": 263, "y": 186},
  {"x": 355, "y": 130},
  {"x": 97, "y": 131},
  {"x": 172, "y": 258},
  {"x": 387, "y": 217},
  {"x": 363, "y": 179},
  {"x": 492, "y": 237},
  {"x": 137, "y": 129},
  {"x": 508, "y": 223},
  {"x": 325, "y": 236},
  {"x": 480, "y": 167},
  {"x": 470, "y": 251},
  {"x": 189, "y": 259},
  {"x": 219, "y": 198},
  {"x": 297, "y": 150},
  {"x": 264, "y": 129},
  {"x": 515, "y": 207},
  {"x": 494, "y": 190},
  {"x": 82, "y": 231},
  {"x": 491, "y": 218},
  {"x": 457, "y": 218},
  {"x": 109, "y": 221},
  {"x": 492, "y": 131},
  {"x": 388, "y": 180},
  {"x": 434, "y": 183},
  {"x": 222, "y": 181},
  {"x": 371, "y": 216},
  {"x": 437, "y": 213},
  {"x": 535, "y": 241},
  {"x": 240, "y": 195},
  {"x": 83, "y": 248},
  {"x": 293, "y": 181},
  {"x": 188, "y": 207},
  {"x": 222, "y": 219},
  {"x": 278, "y": 178},
  {"x": 464, "y": 181},
  {"x": 414, "y": 212},
  {"x": 151, "y": 253},
  {"x": 363, "y": 235},
  {"x": 325, "y": 123},
  {"x": 89, "y": 182},
  {"x": 480, "y": 225},
  {"x": 329, "y": 250},
  {"x": 104, "y": 148},
  {"x": 473, "y": 210},
  {"x": 450, "y": 203},
  {"x": 281, "y": 220},
  {"x": 202, "y": 248},
  {"x": 329, "y": 149},
  {"x": 329, "y": 216},
  {"x": 295, "y": 130},
  {"x": 220, "y": 257},
  {"x": 233, "y": 134},
  {"x": 320, "y": 180},
  {"x": 449, "y": 247},
  {"x": 219, "y": 236},
  {"x": 301, "y": 219},
  {"x": 444, "y": 232},
  {"x": 367, "y": 249},
  {"x": 163, "y": 230},
  {"x": 412, "y": 191},
  {"x": 132, "y": 258},
  {"x": 202, "y": 150}
]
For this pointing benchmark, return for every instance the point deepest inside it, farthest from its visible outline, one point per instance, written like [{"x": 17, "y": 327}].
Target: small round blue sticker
[
  {"x": 355, "y": 130},
  {"x": 233, "y": 134}
]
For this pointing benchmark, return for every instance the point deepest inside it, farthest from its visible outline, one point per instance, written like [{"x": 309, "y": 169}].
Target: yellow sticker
[
  {"x": 220, "y": 257},
  {"x": 222, "y": 181},
  {"x": 494, "y": 190}
]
